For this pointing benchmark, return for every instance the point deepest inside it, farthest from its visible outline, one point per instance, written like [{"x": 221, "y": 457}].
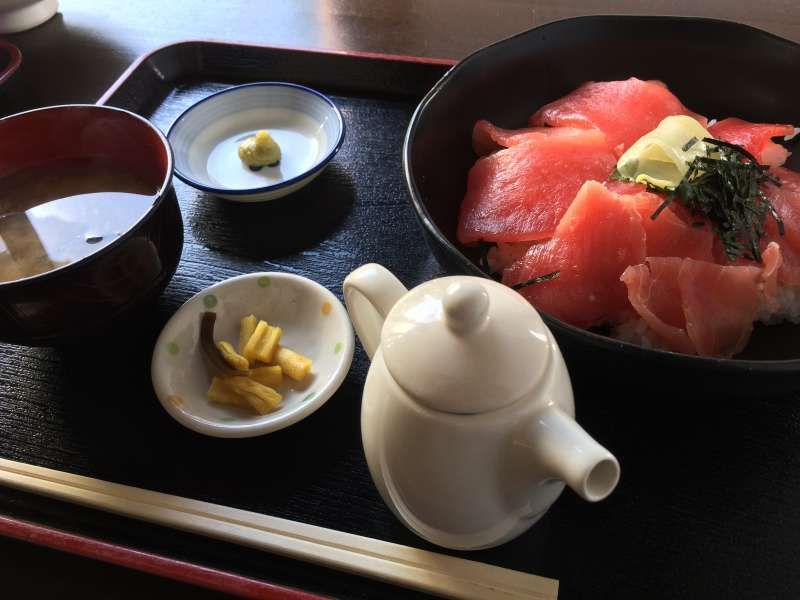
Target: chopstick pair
[{"x": 393, "y": 563}]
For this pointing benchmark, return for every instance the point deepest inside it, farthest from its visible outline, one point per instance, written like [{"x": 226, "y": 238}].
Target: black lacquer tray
[{"x": 708, "y": 501}]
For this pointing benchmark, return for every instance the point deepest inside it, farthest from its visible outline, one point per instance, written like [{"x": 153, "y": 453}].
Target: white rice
[
  {"x": 636, "y": 331},
  {"x": 788, "y": 298}
]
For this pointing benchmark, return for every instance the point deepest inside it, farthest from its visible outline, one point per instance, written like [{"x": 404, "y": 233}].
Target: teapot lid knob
[
  {"x": 466, "y": 306},
  {"x": 466, "y": 345}
]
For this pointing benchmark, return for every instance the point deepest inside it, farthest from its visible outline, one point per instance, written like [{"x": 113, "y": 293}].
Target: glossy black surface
[
  {"x": 717, "y": 68},
  {"x": 707, "y": 506}
]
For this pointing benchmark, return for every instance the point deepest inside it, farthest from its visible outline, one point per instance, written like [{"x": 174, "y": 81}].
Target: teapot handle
[{"x": 369, "y": 294}]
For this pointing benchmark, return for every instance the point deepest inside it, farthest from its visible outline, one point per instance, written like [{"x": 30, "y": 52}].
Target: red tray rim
[
  {"x": 147, "y": 562},
  {"x": 404, "y": 58}
]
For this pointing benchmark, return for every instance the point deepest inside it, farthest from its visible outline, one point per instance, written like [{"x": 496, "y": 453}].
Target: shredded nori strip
[
  {"x": 535, "y": 280},
  {"x": 724, "y": 189},
  {"x": 483, "y": 262},
  {"x": 689, "y": 144}
]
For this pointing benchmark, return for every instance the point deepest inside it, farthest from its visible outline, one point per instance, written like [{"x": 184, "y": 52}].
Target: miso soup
[{"x": 55, "y": 214}]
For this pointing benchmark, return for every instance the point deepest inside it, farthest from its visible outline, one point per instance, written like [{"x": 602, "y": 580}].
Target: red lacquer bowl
[{"x": 96, "y": 293}]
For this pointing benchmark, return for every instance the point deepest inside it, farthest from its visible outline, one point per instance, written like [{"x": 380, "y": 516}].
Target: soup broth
[{"x": 55, "y": 214}]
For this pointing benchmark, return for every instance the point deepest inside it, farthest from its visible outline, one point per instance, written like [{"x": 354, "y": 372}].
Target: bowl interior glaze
[
  {"x": 716, "y": 68},
  {"x": 44, "y": 135}
]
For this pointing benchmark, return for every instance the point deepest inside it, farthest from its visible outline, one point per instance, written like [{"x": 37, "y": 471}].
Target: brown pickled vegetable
[{"x": 215, "y": 364}]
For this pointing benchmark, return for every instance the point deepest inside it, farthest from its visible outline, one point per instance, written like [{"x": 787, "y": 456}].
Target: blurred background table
[{"x": 76, "y": 55}]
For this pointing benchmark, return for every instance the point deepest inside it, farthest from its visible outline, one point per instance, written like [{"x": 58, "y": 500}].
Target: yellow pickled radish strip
[
  {"x": 248, "y": 326},
  {"x": 221, "y": 392},
  {"x": 271, "y": 376},
  {"x": 268, "y": 344},
  {"x": 294, "y": 364},
  {"x": 254, "y": 388},
  {"x": 261, "y": 397},
  {"x": 257, "y": 403},
  {"x": 252, "y": 345},
  {"x": 233, "y": 358}
]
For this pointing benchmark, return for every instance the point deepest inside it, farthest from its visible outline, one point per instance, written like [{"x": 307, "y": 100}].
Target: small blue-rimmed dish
[{"x": 306, "y": 124}]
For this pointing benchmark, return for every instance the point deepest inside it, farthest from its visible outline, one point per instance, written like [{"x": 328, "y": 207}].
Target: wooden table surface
[
  {"x": 82, "y": 50},
  {"x": 75, "y": 56}
]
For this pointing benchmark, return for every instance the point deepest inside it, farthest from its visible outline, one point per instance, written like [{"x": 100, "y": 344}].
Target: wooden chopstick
[{"x": 393, "y": 563}]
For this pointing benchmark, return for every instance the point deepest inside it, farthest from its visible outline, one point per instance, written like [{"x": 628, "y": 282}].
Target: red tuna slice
[
  {"x": 668, "y": 234},
  {"x": 654, "y": 293},
  {"x": 520, "y": 193},
  {"x": 623, "y": 110},
  {"x": 756, "y": 138},
  {"x": 598, "y": 238},
  {"x": 786, "y": 201},
  {"x": 698, "y": 307},
  {"x": 779, "y": 265},
  {"x": 720, "y": 304},
  {"x": 789, "y": 269},
  {"x": 487, "y": 137},
  {"x": 627, "y": 188},
  {"x": 773, "y": 263}
]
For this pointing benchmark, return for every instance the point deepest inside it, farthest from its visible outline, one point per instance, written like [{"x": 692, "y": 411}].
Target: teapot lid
[{"x": 465, "y": 344}]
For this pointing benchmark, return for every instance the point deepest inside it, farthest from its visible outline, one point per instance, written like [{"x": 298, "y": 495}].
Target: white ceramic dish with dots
[
  {"x": 314, "y": 323},
  {"x": 306, "y": 124}
]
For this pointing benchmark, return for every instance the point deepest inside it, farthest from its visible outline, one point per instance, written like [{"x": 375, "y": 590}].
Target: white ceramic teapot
[{"x": 467, "y": 416}]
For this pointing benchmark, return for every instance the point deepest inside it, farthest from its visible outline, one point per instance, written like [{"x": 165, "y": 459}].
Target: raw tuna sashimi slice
[
  {"x": 654, "y": 293},
  {"x": 520, "y": 193},
  {"x": 720, "y": 304},
  {"x": 786, "y": 200},
  {"x": 778, "y": 263},
  {"x": 789, "y": 269},
  {"x": 756, "y": 138},
  {"x": 698, "y": 307},
  {"x": 623, "y": 110},
  {"x": 487, "y": 137},
  {"x": 770, "y": 273},
  {"x": 599, "y": 236},
  {"x": 627, "y": 188},
  {"x": 672, "y": 233}
]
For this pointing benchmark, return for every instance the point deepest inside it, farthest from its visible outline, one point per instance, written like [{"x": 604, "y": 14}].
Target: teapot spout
[{"x": 568, "y": 453}]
